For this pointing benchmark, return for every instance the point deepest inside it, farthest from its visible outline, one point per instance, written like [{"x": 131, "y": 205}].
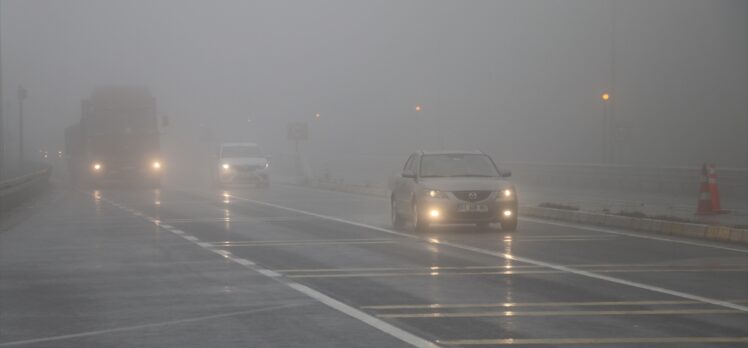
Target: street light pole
[
  {"x": 606, "y": 141},
  {"x": 22, "y": 94},
  {"x": 2, "y": 129},
  {"x": 437, "y": 124}
]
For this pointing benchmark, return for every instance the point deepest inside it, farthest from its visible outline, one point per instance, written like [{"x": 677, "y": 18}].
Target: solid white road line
[
  {"x": 269, "y": 273},
  {"x": 394, "y": 331},
  {"x": 243, "y": 262},
  {"x": 680, "y": 294},
  {"x": 148, "y": 326}
]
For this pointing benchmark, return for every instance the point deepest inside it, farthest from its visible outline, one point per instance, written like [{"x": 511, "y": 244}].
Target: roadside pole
[
  {"x": 2, "y": 138},
  {"x": 22, "y": 94},
  {"x": 298, "y": 132}
]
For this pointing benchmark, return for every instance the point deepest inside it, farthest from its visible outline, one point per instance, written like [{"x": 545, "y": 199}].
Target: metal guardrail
[
  {"x": 16, "y": 190},
  {"x": 733, "y": 182}
]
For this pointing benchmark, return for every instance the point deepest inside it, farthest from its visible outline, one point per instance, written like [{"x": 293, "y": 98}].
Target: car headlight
[
  {"x": 156, "y": 165},
  {"x": 436, "y": 194},
  {"x": 507, "y": 193},
  {"x": 226, "y": 166},
  {"x": 97, "y": 166}
]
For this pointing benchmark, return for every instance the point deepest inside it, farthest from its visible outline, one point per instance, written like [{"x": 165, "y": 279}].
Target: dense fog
[{"x": 521, "y": 80}]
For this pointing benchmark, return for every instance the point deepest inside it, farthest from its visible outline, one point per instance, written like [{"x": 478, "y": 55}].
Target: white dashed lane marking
[{"x": 372, "y": 321}]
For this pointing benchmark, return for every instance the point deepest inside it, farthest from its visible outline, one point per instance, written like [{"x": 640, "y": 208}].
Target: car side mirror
[
  {"x": 505, "y": 173},
  {"x": 409, "y": 174}
]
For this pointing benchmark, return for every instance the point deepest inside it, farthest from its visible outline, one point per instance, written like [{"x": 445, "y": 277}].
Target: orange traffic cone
[
  {"x": 709, "y": 202},
  {"x": 704, "y": 205},
  {"x": 714, "y": 190}
]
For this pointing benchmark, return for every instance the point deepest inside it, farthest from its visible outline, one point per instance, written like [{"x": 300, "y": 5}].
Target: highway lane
[
  {"x": 365, "y": 267},
  {"x": 545, "y": 285},
  {"x": 79, "y": 272}
]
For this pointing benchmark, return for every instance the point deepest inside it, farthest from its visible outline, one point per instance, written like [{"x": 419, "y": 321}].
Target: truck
[{"x": 116, "y": 140}]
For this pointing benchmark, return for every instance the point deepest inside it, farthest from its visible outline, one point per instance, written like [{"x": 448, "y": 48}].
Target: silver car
[
  {"x": 452, "y": 187},
  {"x": 242, "y": 163}
]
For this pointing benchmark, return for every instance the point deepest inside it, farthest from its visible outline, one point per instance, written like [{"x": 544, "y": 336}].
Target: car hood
[
  {"x": 245, "y": 161},
  {"x": 465, "y": 184}
]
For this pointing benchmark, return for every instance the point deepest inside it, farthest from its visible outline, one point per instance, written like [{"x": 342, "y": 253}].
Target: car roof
[
  {"x": 453, "y": 152},
  {"x": 238, "y": 144}
]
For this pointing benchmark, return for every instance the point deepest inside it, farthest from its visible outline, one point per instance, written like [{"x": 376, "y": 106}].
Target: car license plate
[{"x": 472, "y": 207}]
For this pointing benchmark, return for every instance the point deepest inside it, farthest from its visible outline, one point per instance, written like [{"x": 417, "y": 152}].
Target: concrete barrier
[
  {"x": 679, "y": 229},
  {"x": 15, "y": 191}
]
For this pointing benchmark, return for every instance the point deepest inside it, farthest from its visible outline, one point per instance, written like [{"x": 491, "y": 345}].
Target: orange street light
[
  {"x": 418, "y": 107},
  {"x": 605, "y": 96}
]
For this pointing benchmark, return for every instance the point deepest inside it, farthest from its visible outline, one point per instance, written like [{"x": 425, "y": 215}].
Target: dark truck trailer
[{"x": 116, "y": 140}]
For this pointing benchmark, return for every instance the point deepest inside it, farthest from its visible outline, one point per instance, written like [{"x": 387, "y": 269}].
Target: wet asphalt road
[{"x": 300, "y": 267}]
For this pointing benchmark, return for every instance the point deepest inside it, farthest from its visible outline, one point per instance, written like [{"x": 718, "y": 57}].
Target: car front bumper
[
  {"x": 445, "y": 210},
  {"x": 236, "y": 176}
]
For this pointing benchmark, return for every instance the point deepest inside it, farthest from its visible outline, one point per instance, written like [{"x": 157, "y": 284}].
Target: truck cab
[{"x": 242, "y": 163}]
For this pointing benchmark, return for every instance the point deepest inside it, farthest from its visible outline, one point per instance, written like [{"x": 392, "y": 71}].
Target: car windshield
[
  {"x": 240, "y": 151},
  {"x": 454, "y": 165}
]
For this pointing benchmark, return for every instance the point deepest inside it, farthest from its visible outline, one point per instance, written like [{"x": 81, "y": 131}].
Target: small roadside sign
[{"x": 298, "y": 131}]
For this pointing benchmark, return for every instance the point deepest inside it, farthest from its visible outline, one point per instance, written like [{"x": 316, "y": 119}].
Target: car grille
[{"x": 472, "y": 196}]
